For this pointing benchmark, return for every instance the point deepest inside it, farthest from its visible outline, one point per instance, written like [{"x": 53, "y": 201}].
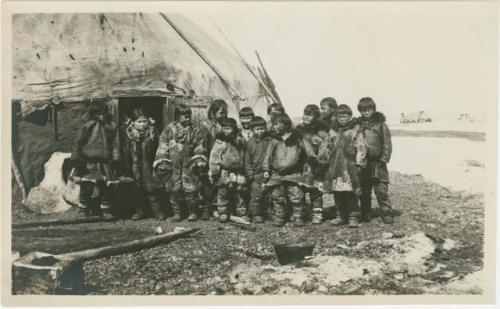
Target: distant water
[
  {"x": 456, "y": 163},
  {"x": 445, "y": 125}
]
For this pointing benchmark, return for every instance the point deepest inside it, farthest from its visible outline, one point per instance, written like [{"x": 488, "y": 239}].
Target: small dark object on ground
[{"x": 290, "y": 253}]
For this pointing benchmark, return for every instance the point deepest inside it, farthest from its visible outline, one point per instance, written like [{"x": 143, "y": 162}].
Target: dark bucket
[{"x": 292, "y": 253}]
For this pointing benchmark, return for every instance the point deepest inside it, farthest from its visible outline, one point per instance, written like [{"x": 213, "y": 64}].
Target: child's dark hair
[
  {"x": 229, "y": 122},
  {"x": 343, "y": 109},
  {"x": 137, "y": 113},
  {"x": 312, "y": 110},
  {"x": 246, "y": 112},
  {"x": 366, "y": 103},
  {"x": 330, "y": 101},
  {"x": 182, "y": 109},
  {"x": 257, "y": 121},
  {"x": 277, "y": 106},
  {"x": 215, "y": 106},
  {"x": 284, "y": 119}
]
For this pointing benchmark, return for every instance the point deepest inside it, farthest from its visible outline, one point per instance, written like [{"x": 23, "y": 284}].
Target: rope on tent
[
  {"x": 248, "y": 67},
  {"x": 202, "y": 56}
]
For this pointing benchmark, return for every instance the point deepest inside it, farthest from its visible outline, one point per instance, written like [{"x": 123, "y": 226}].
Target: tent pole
[
  {"x": 19, "y": 178},
  {"x": 271, "y": 84},
  {"x": 248, "y": 66},
  {"x": 199, "y": 52}
]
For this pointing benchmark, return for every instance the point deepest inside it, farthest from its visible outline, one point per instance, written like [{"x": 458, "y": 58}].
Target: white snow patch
[
  {"x": 470, "y": 284},
  {"x": 445, "y": 161},
  {"x": 324, "y": 271},
  {"x": 449, "y": 244},
  {"x": 409, "y": 254},
  {"x": 47, "y": 197}
]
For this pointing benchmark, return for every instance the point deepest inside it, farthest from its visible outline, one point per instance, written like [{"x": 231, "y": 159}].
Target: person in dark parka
[
  {"x": 347, "y": 159},
  {"x": 182, "y": 149},
  {"x": 96, "y": 156},
  {"x": 254, "y": 158},
  {"x": 315, "y": 131},
  {"x": 211, "y": 127},
  {"x": 283, "y": 168},
  {"x": 140, "y": 142},
  {"x": 227, "y": 170},
  {"x": 376, "y": 175}
]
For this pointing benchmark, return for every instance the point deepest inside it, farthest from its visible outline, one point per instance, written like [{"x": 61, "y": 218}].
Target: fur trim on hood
[
  {"x": 318, "y": 125},
  {"x": 350, "y": 125},
  {"x": 377, "y": 117},
  {"x": 293, "y": 139},
  {"x": 236, "y": 141}
]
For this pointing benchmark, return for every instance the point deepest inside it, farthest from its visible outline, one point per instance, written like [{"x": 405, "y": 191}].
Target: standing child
[
  {"x": 315, "y": 132},
  {"x": 96, "y": 154},
  {"x": 246, "y": 115},
  {"x": 254, "y": 157},
  {"x": 226, "y": 170},
  {"x": 181, "y": 149},
  {"x": 347, "y": 158},
  {"x": 217, "y": 112},
  {"x": 140, "y": 142},
  {"x": 283, "y": 168},
  {"x": 376, "y": 175}
]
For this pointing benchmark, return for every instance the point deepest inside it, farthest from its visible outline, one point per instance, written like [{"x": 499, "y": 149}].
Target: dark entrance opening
[{"x": 152, "y": 106}]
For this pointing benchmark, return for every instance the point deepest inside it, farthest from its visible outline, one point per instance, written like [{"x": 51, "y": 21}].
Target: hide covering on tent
[
  {"x": 82, "y": 56},
  {"x": 67, "y": 60}
]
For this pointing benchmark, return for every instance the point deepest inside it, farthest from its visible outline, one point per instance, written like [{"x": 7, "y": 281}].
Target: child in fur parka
[
  {"x": 254, "y": 158},
  {"x": 182, "y": 151},
  {"x": 227, "y": 170},
  {"x": 211, "y": 127},
  {"x": 376, "y": 175},
  {"x": 140, "y": 142},
  {"x": 347, "y": 158},
  {"x": 315, "y": 131},
  {"x": 283, "y": 169}
]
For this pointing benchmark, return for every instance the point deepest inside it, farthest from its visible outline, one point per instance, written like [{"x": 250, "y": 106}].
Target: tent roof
[{"x": 83, "y": 56}]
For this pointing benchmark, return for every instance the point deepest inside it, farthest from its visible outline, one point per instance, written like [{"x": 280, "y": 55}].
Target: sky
[{"x": 438, "y": 57}]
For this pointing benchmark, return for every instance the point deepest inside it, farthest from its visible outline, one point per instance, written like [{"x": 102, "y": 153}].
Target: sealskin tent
[{"x": 61, "y": 62}]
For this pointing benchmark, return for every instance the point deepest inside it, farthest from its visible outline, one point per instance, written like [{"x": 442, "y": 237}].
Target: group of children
[{"x": 261, "y": 170}]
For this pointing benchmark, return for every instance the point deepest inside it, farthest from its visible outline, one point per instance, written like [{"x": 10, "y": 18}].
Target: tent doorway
[{"x": 152, "y": 106}]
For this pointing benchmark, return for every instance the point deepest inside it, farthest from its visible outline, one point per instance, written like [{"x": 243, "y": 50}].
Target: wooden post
[{"x": 45, "y": 273}]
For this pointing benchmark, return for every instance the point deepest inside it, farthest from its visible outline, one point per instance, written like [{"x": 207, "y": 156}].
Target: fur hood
[
  {"x": 350, "y": 125},
  {"x": 377, "y": 117},
  {"x": 264, "y": 137},
  {"x": 236, "y": 141},
  {"x": 293, "y": 139},
  {"x": 318, "y": 125}
]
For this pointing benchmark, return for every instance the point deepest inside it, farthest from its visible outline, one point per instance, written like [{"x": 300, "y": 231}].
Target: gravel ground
[{"x": 202, "y": 264}]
